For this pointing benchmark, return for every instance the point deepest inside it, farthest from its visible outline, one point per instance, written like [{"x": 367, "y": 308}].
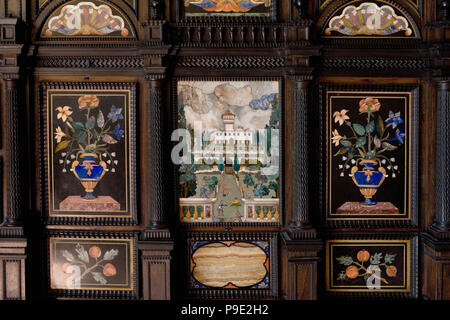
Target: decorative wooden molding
[
  {"x": 10, "y": 31},
  {"x": 231, "y": 62},
  {"x": 229, "y": 226},
  {"x": 155, "y": 76},
  {"x": 87, "y": 62},
  {"x": 156, "y": 31},
  {"x": 11, "y": 232},
  {"x": 156, "y": 234},
  {"x": 374, "y": 63},
  {"x": 239, "y": 34}
]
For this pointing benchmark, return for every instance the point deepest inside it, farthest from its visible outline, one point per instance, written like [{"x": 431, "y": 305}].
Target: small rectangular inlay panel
[
  {"x": 95, "y": 264},
  {"x": 371, "y": 266}
]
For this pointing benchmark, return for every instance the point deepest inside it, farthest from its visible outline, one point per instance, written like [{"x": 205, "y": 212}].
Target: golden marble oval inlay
[{"x": 240, "y": 264}]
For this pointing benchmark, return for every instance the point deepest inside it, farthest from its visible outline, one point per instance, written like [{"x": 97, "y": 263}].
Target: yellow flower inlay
[
  {"x": 59, "y": 134},
  {"x": 336, "y": 137},
  {"x": 64, "y": 112},
  {"x": 340, "y": 116}
]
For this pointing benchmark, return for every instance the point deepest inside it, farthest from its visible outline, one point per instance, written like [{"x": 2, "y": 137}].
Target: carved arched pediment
[
  {"x": 87, "y": 19},
  {"x": 369, "y": 19}
]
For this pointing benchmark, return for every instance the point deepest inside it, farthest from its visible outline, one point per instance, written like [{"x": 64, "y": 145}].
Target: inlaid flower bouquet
[
  {"x": 89, "y": 140},
  {"x": 368, "y": 144}
]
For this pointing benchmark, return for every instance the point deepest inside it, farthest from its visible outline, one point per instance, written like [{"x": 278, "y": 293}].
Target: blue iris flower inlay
[
  {"x": 118, "y": 132},
  {"x": 115, "y": 114},
  {"x": 399, "y": 136},
  {"x": 394, "y": 119}
]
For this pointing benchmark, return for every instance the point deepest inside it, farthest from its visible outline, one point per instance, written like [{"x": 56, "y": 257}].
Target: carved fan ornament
[
  {"x": 368, "y": 20},
  {"x": 86, "y": 19}
]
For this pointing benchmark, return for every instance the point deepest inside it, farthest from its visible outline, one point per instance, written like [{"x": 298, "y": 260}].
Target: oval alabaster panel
[
  {"x": 230, "y": 264},
  {"x": 369, "y": 19},
  {"x": 87, "y": 19}
]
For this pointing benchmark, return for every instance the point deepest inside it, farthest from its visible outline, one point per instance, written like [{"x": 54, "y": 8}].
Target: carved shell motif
[
  {"x": 86, "y": 19},
  {"x": 368, "y": 19}
]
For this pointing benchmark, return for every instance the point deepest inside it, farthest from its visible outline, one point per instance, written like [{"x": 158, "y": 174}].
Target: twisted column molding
[
  {"x": 301, "y": 226},
  {"x": 157, "y": 218},
  {"x": 441, "y": 225},
  {"x": 13, "y": 153}
]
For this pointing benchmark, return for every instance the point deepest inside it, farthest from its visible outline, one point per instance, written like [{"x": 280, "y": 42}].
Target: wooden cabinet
[{"x": 268, "y": 149}]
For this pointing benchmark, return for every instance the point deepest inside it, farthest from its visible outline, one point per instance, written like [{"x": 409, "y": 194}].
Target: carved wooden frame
[
  {"x": 373, "y": 295},
  {"x": 220, "y": 293},
  {"x": 97, "y": 294},
  {"x": 271, "y": 18},
  {"x": 323, "y": 156},
  {"x": 92, "y": 219},
  {"x": 176, "y": 186}
]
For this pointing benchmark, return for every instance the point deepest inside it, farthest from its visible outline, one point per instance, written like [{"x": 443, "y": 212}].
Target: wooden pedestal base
[
  {"x": 155, "y": 266},
  {"x": 436, "y": 271},
  {"x": 12, "y": 268},
  {"x": 299, "y": 270}
]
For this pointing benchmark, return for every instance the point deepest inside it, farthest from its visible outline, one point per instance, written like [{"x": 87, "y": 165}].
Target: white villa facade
[{"x": 226, "y": 144}]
